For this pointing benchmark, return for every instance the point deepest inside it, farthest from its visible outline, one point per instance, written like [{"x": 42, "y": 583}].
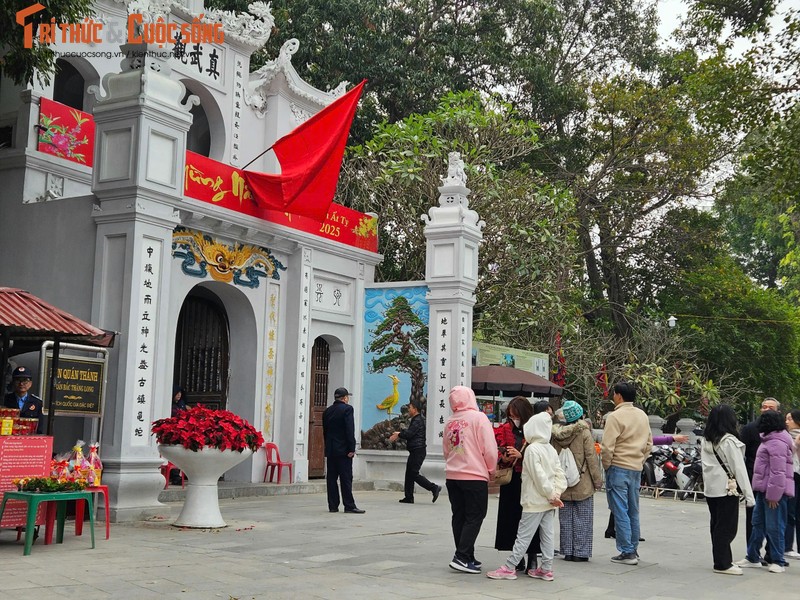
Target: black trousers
[
  {"x": 724, "y": 513},
  {"x": 414, "y": 463},
  {"x": 340, "y": 468},
  {"x": 469, "y": 500}
]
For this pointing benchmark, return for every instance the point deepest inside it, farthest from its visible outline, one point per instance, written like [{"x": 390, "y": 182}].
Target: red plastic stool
[
  {"x": 99, "y": 489},
  {"x": 167, "y": 469}
]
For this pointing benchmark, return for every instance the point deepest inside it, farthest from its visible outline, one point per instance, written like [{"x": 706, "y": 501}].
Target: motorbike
[
  {"x": 693, "y": 472},
  {"x": 652, "y": 472},
  {"x": 672, "y": 468}
]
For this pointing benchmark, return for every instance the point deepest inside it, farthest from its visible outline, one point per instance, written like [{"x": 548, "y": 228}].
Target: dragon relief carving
[
  {"x": 237, "y": 263},
  {"x": 251, "y": 29}
]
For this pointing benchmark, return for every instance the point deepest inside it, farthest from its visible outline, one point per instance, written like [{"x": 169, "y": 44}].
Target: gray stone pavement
[{"x": 290, "y": 546}]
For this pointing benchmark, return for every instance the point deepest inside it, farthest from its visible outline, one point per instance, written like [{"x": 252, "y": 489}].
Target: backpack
[{"x": 569, "y": 466}]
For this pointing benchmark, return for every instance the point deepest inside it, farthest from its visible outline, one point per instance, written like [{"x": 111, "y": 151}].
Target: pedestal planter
[{"x": 203, "y": 469}]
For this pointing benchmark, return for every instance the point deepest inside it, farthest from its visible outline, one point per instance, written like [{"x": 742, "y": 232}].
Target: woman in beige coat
[{"x": 577, "y": 516}]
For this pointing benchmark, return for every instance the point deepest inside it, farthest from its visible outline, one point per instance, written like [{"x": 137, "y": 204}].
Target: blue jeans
[
  {"x": 770, "y": 523},
  {"x": 622, "y": 490}
]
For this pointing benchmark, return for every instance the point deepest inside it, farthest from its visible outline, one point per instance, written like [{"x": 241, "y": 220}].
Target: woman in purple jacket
[{"x": 773, "y": 484}]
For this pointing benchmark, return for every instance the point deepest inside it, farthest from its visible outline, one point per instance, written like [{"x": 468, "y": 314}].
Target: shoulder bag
[
  {"x": 503, "y": 475},
  {"x": 732, "y": 485}
]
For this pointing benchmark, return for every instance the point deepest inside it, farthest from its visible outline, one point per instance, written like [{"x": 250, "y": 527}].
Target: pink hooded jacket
[{"x": 470, "y": 450}]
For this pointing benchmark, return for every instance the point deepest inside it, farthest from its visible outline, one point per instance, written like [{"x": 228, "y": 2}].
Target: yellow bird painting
[{"x": 392, "y": 399}]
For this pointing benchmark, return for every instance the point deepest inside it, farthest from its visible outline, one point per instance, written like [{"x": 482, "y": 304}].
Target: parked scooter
[
  {"x": 693, "y": 472},
  {"x": 673, "y": 468},
  {"x": 652, "y": 472}
]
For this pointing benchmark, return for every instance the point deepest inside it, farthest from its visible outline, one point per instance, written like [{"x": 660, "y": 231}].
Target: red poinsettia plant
[{"x": 199, "y": 427}]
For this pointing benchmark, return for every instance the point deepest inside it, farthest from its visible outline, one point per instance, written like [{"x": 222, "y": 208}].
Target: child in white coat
[{"x": 543, "y": 481}]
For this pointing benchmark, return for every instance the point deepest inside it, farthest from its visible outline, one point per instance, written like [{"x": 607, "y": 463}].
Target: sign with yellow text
[{"x": 79, "y": 385}]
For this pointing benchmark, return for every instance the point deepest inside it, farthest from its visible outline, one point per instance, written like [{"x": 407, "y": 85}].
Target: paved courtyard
[{"x": 289, "y": 546}]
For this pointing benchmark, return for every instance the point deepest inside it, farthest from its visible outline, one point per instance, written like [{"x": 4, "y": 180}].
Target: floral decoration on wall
[{"x": 66, "y": 132}]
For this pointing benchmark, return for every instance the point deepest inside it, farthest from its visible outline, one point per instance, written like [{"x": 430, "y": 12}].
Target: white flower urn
[{"x": 203, "y": 468}]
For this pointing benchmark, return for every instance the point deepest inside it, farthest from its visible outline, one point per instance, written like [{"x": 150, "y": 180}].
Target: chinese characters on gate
[{"x": 147, "y": 312}]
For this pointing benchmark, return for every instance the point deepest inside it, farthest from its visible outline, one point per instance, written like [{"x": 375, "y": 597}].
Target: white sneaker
[
  {"x": 745, "y": 564},
  {"x": 792, "y": 554},
  {"x": 732, "y": 570},
  {"x": 773, "y": 568}
]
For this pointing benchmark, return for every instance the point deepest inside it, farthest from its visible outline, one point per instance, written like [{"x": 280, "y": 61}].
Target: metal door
[
  {"x": 201, "y": 352},
  {"x": 320, "y": 359}
]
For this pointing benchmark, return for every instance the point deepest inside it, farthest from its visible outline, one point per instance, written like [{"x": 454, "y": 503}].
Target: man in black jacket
[
  {"x": 29, "y": 405},
  {"x": 414, "y": 436},
  {"x": 338, "y": 429}
]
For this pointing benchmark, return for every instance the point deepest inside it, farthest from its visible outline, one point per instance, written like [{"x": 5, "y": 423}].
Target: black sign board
[{"x": 79, "y": 386}]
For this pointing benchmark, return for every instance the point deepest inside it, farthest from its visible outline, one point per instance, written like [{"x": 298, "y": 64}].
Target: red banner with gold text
[
  {"x": 69, "y": 134},
  {"x": 222, "y": 185}
]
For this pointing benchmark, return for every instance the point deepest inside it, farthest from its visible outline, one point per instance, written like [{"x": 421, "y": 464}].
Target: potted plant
[{"x": 204, "y": 443}]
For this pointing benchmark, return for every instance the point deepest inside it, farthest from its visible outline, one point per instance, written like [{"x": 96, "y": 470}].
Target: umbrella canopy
[
  {"x": 29, "y": 321},
  {"x": 496, "y": 378}
]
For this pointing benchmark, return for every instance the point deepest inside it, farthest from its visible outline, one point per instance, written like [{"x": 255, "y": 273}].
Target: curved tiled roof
[{"x": 23, "y": 315}]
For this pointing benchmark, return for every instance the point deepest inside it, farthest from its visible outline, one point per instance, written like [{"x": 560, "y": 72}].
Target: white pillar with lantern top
[{"x": 453, "y": 233}]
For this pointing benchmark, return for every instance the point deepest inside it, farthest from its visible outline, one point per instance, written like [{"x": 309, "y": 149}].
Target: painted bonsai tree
[{"x": 400, "y": 340}]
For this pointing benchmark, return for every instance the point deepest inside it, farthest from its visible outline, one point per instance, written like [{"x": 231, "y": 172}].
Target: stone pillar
[
  {"x": 140, "y": 150},
  {"x": 453, "y": 233}
]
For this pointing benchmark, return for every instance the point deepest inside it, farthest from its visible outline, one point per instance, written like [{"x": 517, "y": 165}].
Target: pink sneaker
[
  {"x": 540, "y": 573},
  {"x": 503, "y": 573}
]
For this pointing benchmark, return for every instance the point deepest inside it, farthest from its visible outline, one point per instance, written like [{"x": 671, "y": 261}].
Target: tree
[
  {"x": 647, "y": 146},
  {"x": 413, "y": 52},
  {"x": 741, "y": 328},
  {"x": 671, "y": 378},
  {"x": 526, "y": 284},
  {"x": 760, "y": 209},
  {"x": 21, "y": 64}
]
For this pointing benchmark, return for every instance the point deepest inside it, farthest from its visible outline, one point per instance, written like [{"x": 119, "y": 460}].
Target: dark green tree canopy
[{"x": 22, "y": 64}]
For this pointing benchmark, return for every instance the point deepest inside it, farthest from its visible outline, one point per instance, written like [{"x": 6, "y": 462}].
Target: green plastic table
[{"x": 34, "y": 499}]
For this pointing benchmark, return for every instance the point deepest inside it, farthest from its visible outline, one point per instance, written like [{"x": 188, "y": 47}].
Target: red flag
[
  {"x": 601, "y": 379},
  {"x": 310, "y": 157},
  {"x": 560, "y": 374}
]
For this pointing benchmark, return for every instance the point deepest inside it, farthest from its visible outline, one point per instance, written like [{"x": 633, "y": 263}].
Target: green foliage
[
  {"x": 20, "y": 64},
  {"x": 46, "y": 485},
  {"x": 585, "y": 143},
  {"x": 667, "y": 390},
  {"x": 741, "y": 328},
  {"x": 528, "y": 254},
  {"x": 760, "y": 206},
  {"x": 743, "y": 16}
]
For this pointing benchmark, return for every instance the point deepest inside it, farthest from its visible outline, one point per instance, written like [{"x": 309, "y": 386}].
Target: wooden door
[
  {"x": 201, "y": 352},
  {"x": 320, "y": 359}
]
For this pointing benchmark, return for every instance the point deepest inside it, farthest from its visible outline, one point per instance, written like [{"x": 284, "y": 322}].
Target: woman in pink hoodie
[{"x": 470, "y": 453}]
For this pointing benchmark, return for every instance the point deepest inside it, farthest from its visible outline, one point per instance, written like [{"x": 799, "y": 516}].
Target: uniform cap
[{"x": 22, "y": 373}]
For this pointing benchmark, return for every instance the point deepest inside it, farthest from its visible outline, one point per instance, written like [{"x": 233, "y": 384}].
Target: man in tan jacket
[{"x": 626, "y": 443}]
